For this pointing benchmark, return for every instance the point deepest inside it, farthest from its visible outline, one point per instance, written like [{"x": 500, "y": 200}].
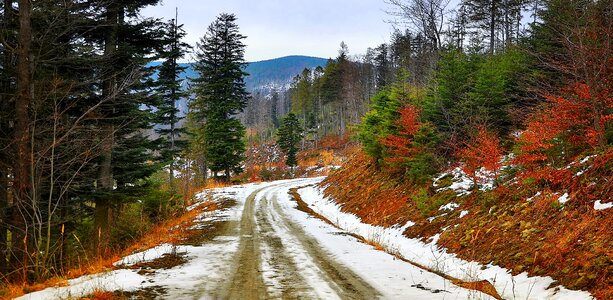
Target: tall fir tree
[
  {"x": 128, "y": 42},
  {"x": 220, "y": 94},
  {"x": 170, "y": 91}
]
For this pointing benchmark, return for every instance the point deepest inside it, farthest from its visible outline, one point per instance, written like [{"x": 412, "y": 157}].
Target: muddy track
[
  {"x": 247, "y": 282},
  {"x": 347, "y": 284},
  {"x": 269, "y": 238}
]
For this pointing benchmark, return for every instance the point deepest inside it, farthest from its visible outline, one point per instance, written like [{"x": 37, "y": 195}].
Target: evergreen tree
[
  {"x": 301, "y": 93},
  {"x": 449, "y": 89},
  {"x": 288, "y": 137},
  {"x": 126, "y": 85},
  {"x": 86, "y": 74},
  {"x": 379, "y": 122},
  {"x": 220, "y": 95},
  {"x": 170, "y": 90},
  {"x": 497, "y": 91}
]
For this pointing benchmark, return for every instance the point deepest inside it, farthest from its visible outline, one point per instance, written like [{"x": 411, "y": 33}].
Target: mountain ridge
[
  {"x": 264, "y": 76},
  {"x": 277, "y": 72}
]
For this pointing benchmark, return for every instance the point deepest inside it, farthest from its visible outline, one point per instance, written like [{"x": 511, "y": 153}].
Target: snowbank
[{"x": 429, "y": 254}]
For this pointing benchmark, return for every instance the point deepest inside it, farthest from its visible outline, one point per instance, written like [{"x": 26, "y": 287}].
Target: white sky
[{"x": 276, "y": 28}]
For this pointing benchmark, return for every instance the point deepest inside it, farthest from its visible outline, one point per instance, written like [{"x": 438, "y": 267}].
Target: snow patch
[
  {"x": 149, "y": 255},
  {"x": 429, "y": 254},
  {"x": 436, "y": 179},
  {"x": 449, "y": 206},
  {"x": 598, "y": 205},
  {"x": 564, "y": 198},
  {"x": 535, "y": 195}
]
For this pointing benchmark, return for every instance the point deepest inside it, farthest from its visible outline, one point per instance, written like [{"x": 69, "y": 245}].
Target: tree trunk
[
  {"x": 492, "y": 25},
  {"x": 5, "y": 105},
  {"x": 173, "y": 93},
  {"x": 22, "y": 164},
  {"x": 507, "y": 25},
  {"x": 3, "y": 218},
  {"x": 105, "y": 172}
]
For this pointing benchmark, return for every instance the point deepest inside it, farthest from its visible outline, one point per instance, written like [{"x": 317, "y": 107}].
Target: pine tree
[
  {"x": 220, "y": 95},
  {"x": 378, "y": 123},
  {"x": 288, "y": 137},
  {"x": 170, "y": 90},
  {"x": 449, "y": 89}
]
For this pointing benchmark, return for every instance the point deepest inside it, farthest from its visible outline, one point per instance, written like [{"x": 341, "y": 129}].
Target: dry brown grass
[
  {"x": 483, "y": 286},
  {"x": 102, "y": 295},
  {"x": 171, "y": 231},
  {"x": 572, "y": 243}
]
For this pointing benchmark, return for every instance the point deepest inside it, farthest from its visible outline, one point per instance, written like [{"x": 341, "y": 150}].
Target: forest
[{"x": 94, "y": 152}]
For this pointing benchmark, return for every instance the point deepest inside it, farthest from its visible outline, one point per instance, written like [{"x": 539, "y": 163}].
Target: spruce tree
[
  {"x": 170, "y": 91},
  {"x": 129, "y": 43},
  {"x": 288, "y": 137},
  {"x": 220, "y": 94}
]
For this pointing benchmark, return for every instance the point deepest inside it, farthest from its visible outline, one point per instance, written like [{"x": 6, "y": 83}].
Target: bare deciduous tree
[{"x": 425, "y": 17}]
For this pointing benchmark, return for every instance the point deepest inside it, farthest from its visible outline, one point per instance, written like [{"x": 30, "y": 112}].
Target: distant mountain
[
  {"x": 277, "y": 72},
  {"x": 265, "y": 75}
]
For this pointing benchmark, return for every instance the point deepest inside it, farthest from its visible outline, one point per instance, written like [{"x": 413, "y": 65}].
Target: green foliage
[
  {"x": 379, "y": 122},
  {"x": 427, "y": 204},
  {"x": 158, "y": 205},
  {"x": 150, "y": 202},
  {"x": 496, "y": 90},
  {"x": 220, "y": 95},
  {"x": 487, "y": 199},
  {"x": 452, "y": 82},
  {"x": 288, "y": 137},
  {"x": 302, "y": 93},
  {"x": 131, "y": 224},
  {"x": 169, "y": 91},
  {"x": 471, "y": 90},
  {"x": 422, "y": 199},
  {"x": 426, "y": 163},
  {"x": 224, "y": 144},
  {"x": 384, "y": 136},
  {"x": 331, "y": 81}
]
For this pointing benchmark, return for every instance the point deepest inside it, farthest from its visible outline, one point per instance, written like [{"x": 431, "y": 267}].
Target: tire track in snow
[
  {"x": 277, "y": 259},
  {"x": 246, "y": 282},
  {"x": 280, "y": 271},
  {"x": 346, "y": 283}
]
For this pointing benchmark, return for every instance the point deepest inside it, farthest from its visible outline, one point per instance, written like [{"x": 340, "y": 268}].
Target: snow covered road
[{"x": 268, "y": 249}]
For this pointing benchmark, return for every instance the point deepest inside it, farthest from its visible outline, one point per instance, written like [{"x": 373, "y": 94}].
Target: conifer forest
[{"x": 465, "y": 154}]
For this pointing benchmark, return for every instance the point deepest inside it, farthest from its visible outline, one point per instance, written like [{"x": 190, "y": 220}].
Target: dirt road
[
  {"x": 259, "y": 245},
  {"x": 277, "y": 259}
]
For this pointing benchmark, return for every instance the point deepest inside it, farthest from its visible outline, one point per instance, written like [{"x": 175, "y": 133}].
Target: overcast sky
[{"x": 276, "y": 28}]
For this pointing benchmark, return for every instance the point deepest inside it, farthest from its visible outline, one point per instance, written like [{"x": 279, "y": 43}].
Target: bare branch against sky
[{"x": 276, "y": 28}]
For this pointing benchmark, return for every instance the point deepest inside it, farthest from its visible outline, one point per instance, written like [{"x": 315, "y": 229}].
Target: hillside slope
[
  {"x": 542, "y": 233},
  {"x": 279, "y": 71}
]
